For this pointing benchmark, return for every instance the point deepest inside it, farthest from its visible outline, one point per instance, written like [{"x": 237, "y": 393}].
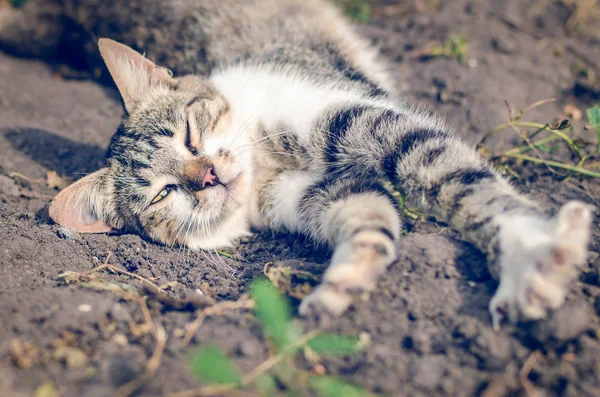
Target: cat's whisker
[
  {"x": 185, "y": 237},
  {"x": 267, "y": 137},
  {"x": 247, "y": 124},
  {"x": 179, "y": 229}
]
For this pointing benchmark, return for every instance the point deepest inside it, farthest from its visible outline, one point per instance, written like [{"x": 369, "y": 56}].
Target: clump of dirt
[{"x": 428, "y": 321}]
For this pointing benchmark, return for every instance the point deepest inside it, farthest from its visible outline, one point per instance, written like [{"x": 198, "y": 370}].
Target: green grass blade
[
  {"x": 555, "y": 164},
  {"x": 210, "y": 365},
  {"x": 327, "y": 386},
  {"x": 274, "y": 313},
  {"x": 334, "y": 344},
  {"x": 594, "y": 117}
]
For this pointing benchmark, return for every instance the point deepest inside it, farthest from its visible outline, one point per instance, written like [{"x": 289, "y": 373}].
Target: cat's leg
[
  {"x": 534, "y": 256},
  {"x": 35, "y": 29},
  {"x": 357, "y": 218}
]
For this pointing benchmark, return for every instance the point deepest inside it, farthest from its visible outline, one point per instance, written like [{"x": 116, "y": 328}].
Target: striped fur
[{"x": 299, "y": 120}]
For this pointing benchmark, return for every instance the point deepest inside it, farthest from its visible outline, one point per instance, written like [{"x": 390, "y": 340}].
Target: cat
[{"x": 276, "y": 114}]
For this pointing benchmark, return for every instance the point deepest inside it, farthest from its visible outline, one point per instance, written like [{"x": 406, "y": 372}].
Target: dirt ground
[{"x": 428, "y": 321}]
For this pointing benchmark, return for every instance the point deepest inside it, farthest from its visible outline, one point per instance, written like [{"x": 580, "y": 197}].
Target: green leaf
[
  {"x": 210, "y": 365},
  {"x": 274, "y": 313},
  {"x": 334, "y": 344},
  {"x": 327, "y": 386},
  {"x": 267, "y": 386},
  {"x": 594, "y": 117}
]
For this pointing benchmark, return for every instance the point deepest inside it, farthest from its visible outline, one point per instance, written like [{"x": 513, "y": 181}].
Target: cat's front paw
[
  {"x": 538, "y": 261},
  {"x": 355, "y": 268}
]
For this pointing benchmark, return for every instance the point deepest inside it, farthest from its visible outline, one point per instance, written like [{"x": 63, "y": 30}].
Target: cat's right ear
[
  {"x": 132, "y": 72},
  {"x": 86, "y": 206}
]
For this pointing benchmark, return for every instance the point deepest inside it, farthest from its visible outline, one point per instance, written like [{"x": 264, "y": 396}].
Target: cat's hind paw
[
  {"x": 538, "y": 261},
  {"x": 355, "y": 268}
]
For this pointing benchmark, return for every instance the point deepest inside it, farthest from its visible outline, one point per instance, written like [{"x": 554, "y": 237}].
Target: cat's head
[{"x": 177, "y": 171}]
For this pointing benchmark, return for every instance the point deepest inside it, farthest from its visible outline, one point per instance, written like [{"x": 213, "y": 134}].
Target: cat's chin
[{"x": 224, "y": 235}]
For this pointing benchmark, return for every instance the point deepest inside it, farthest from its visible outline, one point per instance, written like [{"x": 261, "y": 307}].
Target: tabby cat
[{"x": 275, "y": 114}]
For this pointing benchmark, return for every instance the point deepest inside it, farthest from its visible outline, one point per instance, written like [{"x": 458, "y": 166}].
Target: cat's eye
[{"x": 162, "y": 194}]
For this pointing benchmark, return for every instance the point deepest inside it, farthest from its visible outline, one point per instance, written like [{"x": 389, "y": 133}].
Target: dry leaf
[{"x": 289, "y": 281}]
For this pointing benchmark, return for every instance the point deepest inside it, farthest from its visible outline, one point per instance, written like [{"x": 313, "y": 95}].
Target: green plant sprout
[
  {"x": 359, "y": 10},
  {"x": 557, "y": 134},
  {"x": 456, "y": 47},
  {"x": 277, "y": 375}
]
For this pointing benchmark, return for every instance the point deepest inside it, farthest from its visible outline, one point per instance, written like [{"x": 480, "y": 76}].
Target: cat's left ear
[
  {"x": 132, "y": 72},
  {"x": 86, "y": 206}
]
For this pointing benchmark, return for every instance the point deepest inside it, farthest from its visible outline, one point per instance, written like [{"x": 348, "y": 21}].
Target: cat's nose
[{"x": 210, "y": 178}]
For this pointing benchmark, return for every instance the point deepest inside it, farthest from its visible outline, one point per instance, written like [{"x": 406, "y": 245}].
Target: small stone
[
  {"x": 504, "y": 45},
  {"x": 119, "y": 313},
  {"x": 66, "y": 233},
  {"x": 120, "y": 339},
  {"x": 473, "y": 63},
  {"x": 248, "y": 348},
  {"x": 443, "y": 96},
  {"x": 85, "y": 308},
  {"x": 72, "y": 356}
]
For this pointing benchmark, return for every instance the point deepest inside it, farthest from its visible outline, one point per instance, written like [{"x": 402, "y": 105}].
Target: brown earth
[{"x": 428, "y": 321}]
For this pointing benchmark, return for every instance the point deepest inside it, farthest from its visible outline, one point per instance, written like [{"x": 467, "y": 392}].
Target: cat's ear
[
  {"x": 132, "y": 72},
  {"x": 85, "y": 206}
]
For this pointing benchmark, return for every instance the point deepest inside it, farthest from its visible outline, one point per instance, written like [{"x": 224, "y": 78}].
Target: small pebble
[
  {"x": 472, "y": 63},
  {"x": 119, "y": 313},
  {"x": 248, "y": 348},
  {"x": 120, "y": 339},
  {"x": 85, "y": 308},
  {"x": 504, "y": 45},
  {"x": 66, "y": 233}
]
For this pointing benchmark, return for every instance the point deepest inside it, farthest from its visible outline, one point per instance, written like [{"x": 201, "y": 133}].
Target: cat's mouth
[{"x": 233, "y": 182}]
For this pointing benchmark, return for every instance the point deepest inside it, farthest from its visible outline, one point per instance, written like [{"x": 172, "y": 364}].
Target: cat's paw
[
  {"x": 355, "y": 268},
  {"x": 538, "y": 261}
]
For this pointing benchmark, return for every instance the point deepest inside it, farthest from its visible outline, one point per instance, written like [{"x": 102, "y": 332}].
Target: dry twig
[{"x": 190, "y": 329}]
